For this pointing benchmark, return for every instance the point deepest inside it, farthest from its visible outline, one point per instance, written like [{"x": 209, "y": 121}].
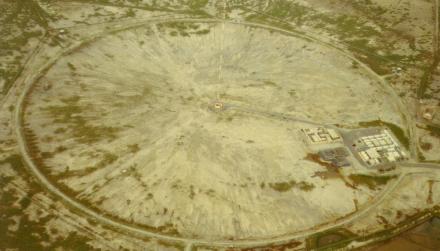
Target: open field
[{"x": 149, "y": 128}]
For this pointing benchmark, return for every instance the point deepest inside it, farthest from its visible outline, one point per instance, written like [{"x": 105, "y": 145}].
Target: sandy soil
[{"x": 133, "y": 110}]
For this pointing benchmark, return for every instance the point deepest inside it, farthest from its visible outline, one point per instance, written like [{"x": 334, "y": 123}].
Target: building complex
[
  {"x": 380, "y": 148},
  {"x": 373, "y": 147},
  {"x": 321, "y": 135}
]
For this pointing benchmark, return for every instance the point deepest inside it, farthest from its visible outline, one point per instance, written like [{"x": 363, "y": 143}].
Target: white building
[
  {"x": 380, "y": 148},
  {"x": 321, "y": 135}
]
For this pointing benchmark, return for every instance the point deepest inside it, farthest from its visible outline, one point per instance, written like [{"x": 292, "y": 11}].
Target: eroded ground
[
  {"x": 150, "y": 128},
  {"x": 120, "y": 116}
]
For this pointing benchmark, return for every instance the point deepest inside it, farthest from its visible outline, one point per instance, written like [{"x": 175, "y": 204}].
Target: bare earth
[{"x": 134, "y": 110}]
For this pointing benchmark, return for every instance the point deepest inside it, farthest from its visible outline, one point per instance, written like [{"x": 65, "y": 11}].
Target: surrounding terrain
[{"x": 175, "y": 125}]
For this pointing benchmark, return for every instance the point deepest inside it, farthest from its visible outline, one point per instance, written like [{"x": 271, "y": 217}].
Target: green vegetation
[
  {"x": 192, "y": 192},
  {"x": 14, "y": 160},
  {"x": 426, "y": 79},
  {"x": 182, "y": 29},
  {"x": 197, "y": 4},
  {"x": 171, "y": 245},
  {"x": 167, "y": 229},
  {"x": 130, "y": 13},
  {"x": 433, "y": 130},
  {"x": 274, "y": 247},
  {"x": 107, "y": 159},
  {"x": 282, "y": 186},
  {"x": 337, "y": 239},
  {"x": 350, "y": 26},
  {"x": 71, "y": 66},
  {"x": 397, "y": 131},
  {"x": 17, "y": 230},
  {"x": 71, "y": 113},
  {"x": 270, "y": 83},
  {"x": 287, "y": 185},
  {"x": 306, "y": 186},
  {"x": 32, "y": 10},
  {"x": 287, "y": 10},
  {"x": 23, "y": 20},
  {"x": 330, "y": 240},
  {"x": 134, "y": 148},
  {"x": 370, "y": 181},
  {"x": 363, "y": 36}
]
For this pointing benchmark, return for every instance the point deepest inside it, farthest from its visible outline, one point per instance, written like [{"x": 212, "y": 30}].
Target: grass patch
[
  {"x": 370, "y": 181},
  {"x": 30, "y": 234},
  {"x": 288, "y": 185},
  {"x": 197, "y": 4},
  {"x": 182, "y": 29},
  {"x": 134, "y": 148},
  {"x": 331, "y": 239},
  {"x": 14, "y": 160},
  {"x": 107, "y": 159},
  {"x": 171, "y": 245},
  {"x": 426, "y": 79},
  {"x": 282, "y": 186},
  {"x": 70, "y": 113},
  {"x": 433, "y": 130},
  {"x": 287, "y": 10},
  {"x": 305, "y": 186},
  {"x": 23, "y": 20}
]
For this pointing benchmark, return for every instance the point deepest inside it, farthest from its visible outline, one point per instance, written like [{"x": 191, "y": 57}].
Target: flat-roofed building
[
  {"x": 321, "y": 135},
  {"x": 379, "y": 148}
]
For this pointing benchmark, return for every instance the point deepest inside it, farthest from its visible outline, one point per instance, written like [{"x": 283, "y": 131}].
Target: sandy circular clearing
[{"x": 182, "y": 127}]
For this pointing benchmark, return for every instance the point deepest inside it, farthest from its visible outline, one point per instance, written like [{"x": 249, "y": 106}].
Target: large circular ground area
[{"x": 193, "y": 128}]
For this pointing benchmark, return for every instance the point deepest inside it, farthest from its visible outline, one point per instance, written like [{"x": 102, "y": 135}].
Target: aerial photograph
[{"x": 219, "y": 125}]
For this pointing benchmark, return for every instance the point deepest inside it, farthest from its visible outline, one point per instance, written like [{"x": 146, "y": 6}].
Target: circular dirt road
[{"x": 169, "y": 126}]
